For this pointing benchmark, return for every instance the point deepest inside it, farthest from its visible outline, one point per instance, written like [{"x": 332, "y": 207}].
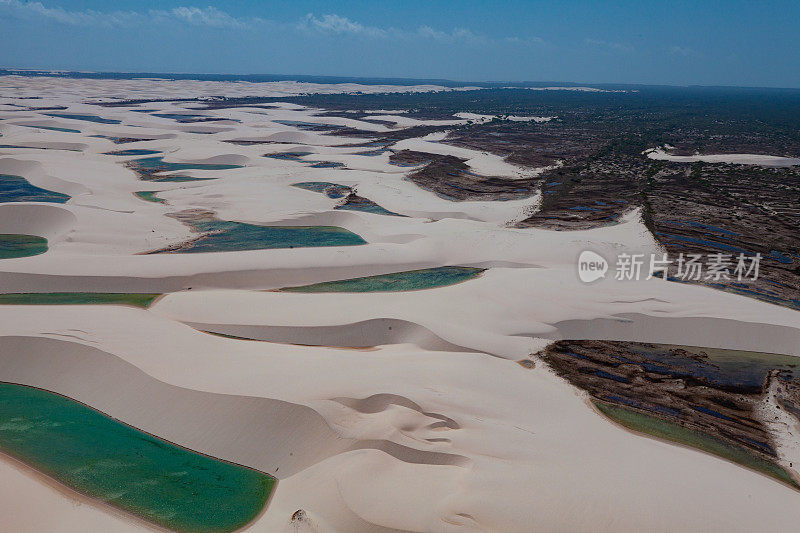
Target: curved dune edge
[
  {"x": 35, "y": 173},
  {"x": 48, "y": 125},
  {"x": 43, "y": 220},
  {"x": 469, "y": 315},
  {"x": 47, "y": 145},
  {"x": 402, "y": 281},
  {"x": 690, "y": 331},
  {"x": 257, "y": 432},
  {"x": 222, "y": 159},
  {"x": 273, "y": 436},
  {"x": 221, "y": 426},
  {"x": 365, "y": 334}
]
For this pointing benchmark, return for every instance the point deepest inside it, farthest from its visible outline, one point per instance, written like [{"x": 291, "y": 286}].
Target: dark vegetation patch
[
  {"x": 451, "y": 178},
  {"x": 732, "y": 209},
  {"x": 702, "y": 397}
]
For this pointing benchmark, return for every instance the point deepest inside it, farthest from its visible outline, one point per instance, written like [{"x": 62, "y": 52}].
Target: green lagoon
[
  {"x": 229, "y": 236},
  {"x": 150, "y": 196},
  {"x": 397, "y": 281},
  {"x": 16, "y": 245},
  {"x": 151, "y": 169},
  {"x": 664, "y": 429},
  {"x": 131, "y": 470},
  {"x": 142, "y": 300},
  {"x": 18, "y": 189}
]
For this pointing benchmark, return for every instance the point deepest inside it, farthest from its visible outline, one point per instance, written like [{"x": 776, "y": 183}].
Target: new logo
[{"x": 591, "y": 266}]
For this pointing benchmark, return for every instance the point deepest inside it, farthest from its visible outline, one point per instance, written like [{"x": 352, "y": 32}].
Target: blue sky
[{"x": 734, "y": 42}]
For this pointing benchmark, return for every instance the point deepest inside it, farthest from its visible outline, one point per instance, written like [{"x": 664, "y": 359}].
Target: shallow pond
[
  {"x": 142, "y": 300},
  {"x": 331, "y": 190},
  {"x": 157, "y": 164},
  {"x": 17, "y": 146},
  {"x": 396, "y": 281},
  {"x": 18, "y": 189},
  {"x": 730, "y": 369},
  {"x": 133, "y": 151},
  {"x": 150, "y": 196},
  {"x": 151, "y": 478},
  {"x": 229, "y": 236},
  {"x": 87, "y": 118},
  {"x": 150, "y": 169},
  {"x": 17, "y": 245},
  {"x": 664, "y": 429}
]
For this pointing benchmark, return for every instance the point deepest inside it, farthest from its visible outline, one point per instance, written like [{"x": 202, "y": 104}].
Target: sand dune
[
  {"x": 35, "y": 174},
  {"x": 393, "y": 411},
  {"x": 43, "y": 220},
  {"x": 539, "y": 451},
  {"x": 693, "y": 331},
  {"x": 737, "y": 159},
  {"x": 362, "y": 334},
  {"x": 47, "y": 145},
  {"x": 270, "y": 435}
]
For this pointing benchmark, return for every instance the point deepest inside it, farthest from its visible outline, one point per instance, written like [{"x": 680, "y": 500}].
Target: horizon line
[{"x": 32, "y": 71}]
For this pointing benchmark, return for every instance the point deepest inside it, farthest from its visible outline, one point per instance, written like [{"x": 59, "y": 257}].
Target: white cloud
[
  {"x": 683, "y": 51},
  {"x": 87, "y": 17},
  {"x": 524, "y": 42},
  {"x": 339, "y": 25},
  {"x": 208, "y": 16},
  {"x": 457, "y": 34},
  {"x": 212, "y": 17},
  {"x": 609, "y": 46}
]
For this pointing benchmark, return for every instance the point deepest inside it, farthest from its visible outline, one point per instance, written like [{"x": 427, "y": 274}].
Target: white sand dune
[
  {"x": 101, "y": 90},
  {"x": 36, "y": 124},
  {"x": 48, "y": 145},
  {"x": 701, "y": 330},
  {"x": 269, "y": 435},
  {"x": 402, "y": 411},
  {"x": 737, "y": 159},
  {"x": 482, "y": 163},
  {"x": 515, "y": 118},
  {"x": 35, "y": 174},
  {"x": 529, "y": 309},
  {"x": 42, "y": 220},
  {"x": 508, "y": 446},
  {"x": 363, "y": 334}
]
